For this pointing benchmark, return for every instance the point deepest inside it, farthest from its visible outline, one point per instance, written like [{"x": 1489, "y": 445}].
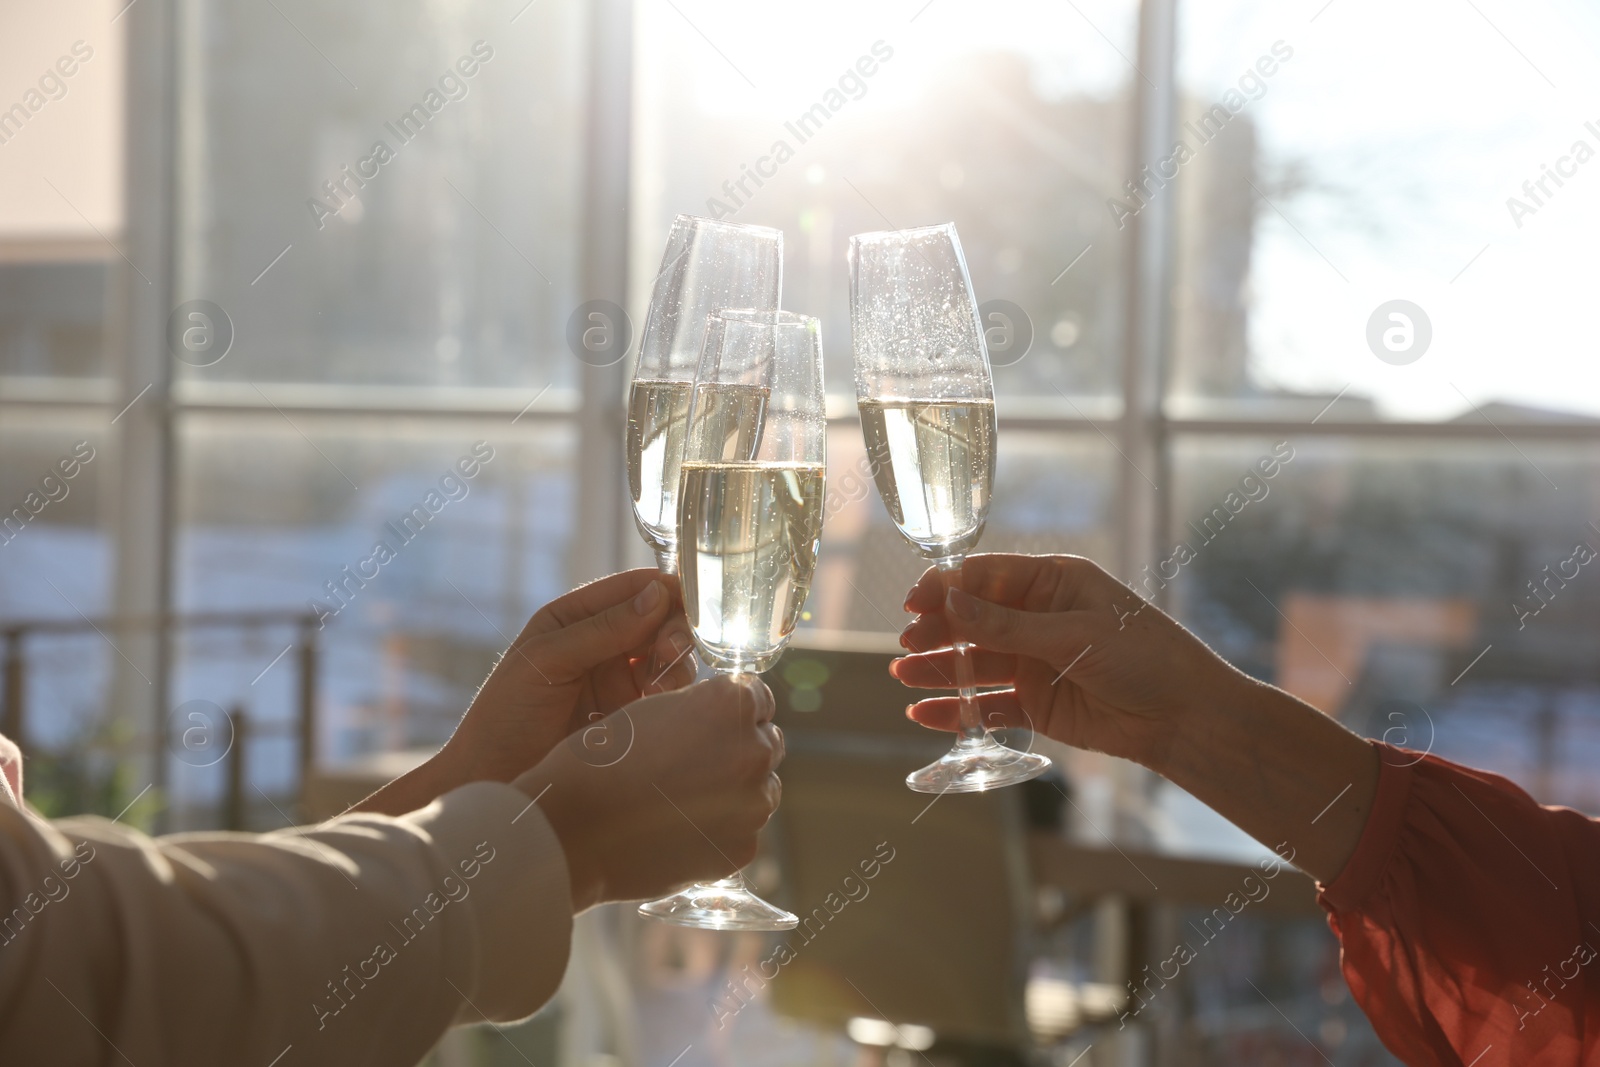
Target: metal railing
[{"x": 14, "y": 674}]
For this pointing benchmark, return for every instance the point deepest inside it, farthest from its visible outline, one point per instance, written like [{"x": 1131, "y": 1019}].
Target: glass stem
[
  {"x": 734, "y": 881},
  {"x": 971, "y": 725}
]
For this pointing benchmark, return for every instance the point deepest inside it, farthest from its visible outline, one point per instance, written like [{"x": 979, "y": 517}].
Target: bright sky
[
  {"x": 1419, "y": 120},
  {"x": 1413, "y": 122},
  {"x": 792, "y": 52}
]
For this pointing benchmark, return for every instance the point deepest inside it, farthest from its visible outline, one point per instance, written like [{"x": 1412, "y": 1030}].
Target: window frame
[{"x": 149, "y": 406}]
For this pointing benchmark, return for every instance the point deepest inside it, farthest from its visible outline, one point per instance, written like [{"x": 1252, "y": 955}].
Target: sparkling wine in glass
[
  {"x": 749, "y": 522},
  {"x": 707, "y": 266},
  {"x": 927, "y": 411}
]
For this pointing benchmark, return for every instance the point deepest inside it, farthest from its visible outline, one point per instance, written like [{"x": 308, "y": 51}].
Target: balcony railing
[{"x": 15, "y": 637}]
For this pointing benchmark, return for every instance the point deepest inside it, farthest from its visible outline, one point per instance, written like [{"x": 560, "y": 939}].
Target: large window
[
  {"x": 1015, "y": 122},
  {"x": 1355, "y": 170},
  {"x": 378, "y": 205},
  {"x": 316, "y": 255}
]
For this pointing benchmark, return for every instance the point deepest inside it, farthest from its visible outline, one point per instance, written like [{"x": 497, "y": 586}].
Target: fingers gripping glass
[
  {"x": 749, "y": 524},
  {"x": 707, "y": 266},
  {"x": 927, "y": 411}
]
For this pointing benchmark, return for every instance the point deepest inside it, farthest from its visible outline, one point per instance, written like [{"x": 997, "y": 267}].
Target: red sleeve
[{"x": 1469, "y": 919}]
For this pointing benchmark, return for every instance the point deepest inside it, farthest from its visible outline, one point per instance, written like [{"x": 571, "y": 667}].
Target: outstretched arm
[
  {"x": 361, "y": 940},
  {"x": 1469, "y": 916},
  {"x": 1091, "y": 664},
  {"x": 357, "y": 941}
]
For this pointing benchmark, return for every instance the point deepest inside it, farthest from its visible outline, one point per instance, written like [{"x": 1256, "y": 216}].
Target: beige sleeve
[{"x": 359, "y": 941}]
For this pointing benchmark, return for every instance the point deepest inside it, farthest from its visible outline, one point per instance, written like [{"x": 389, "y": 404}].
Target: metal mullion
[
  {"x": 1144, "y": 471},
  {"x": 1575, "y": 432},
  {"x": 143, "y": 515},
  {"x": 59, "y": 392},
  {"x": 315, "y": 411},
  {"x": 603, "y": 519},
  {"x": 59, "y": 407},
  {"x": 1141, "y": 501}
]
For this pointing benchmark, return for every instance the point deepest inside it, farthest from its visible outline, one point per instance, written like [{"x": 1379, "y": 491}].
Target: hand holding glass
[
  {"x": 927, "y": 411},
  {"x": 749, "y": 524}
]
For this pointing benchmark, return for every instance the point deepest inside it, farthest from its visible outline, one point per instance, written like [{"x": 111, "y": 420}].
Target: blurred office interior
[{"x": 1408, "y": 569}]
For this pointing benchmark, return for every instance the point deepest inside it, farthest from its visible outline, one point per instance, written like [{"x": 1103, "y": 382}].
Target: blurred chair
[
  {"x": 940, "y": 937},
  {"x": 942, "y": 941}
]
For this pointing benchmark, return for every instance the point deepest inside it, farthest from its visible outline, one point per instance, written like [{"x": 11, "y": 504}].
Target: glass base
[
  {"x": 724, "y": 905},
  {"x": 976, "y": 767}
]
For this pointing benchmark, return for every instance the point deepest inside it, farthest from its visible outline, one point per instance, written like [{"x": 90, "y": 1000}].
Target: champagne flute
[
  {"x": 927, "y": 412},
  {"x": 749, "y": 523},
  {"x": 708, "y": 265}
]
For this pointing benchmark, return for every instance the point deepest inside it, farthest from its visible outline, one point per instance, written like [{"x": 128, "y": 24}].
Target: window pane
[
  {"x": 1434, "y": 595},
  {"x": 1336, "y": 168},
  {"x": 828, "y": 120},
  {"x": 55, "y": 564},
  {"x": 426, "y": 223},
  {"x": 52, "y": 523},
  {"x": 476, "y": 536},
  {"x": 52, "y": 320}
]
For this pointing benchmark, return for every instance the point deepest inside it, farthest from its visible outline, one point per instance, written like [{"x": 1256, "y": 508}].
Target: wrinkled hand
[
  {"x": 682, "y": 803},
  {"x": 1088, "y": 662}
]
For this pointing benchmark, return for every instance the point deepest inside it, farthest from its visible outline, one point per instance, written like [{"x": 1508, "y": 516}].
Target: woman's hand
[
  {"x": 682, "y": 803},
  {"x": 1092, "y": 664},
  {"x": 580, "y": 658},
  {"x": 1088, "y": 662}
]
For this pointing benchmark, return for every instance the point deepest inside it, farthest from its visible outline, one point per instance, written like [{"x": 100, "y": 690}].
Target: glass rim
[
  {"x": 701, "y": 220},
  {"x": 876, "y": 236}
]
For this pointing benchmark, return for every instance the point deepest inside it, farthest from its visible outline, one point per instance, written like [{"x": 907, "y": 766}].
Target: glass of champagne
[
  {"x": 749, "y": 523},
  {"x": 927, "y": 412},
  {"x": 708, "y": 265}
]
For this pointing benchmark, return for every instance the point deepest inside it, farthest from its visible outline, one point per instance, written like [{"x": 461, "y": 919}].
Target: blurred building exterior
[{"x": 1415, "y": 577}]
